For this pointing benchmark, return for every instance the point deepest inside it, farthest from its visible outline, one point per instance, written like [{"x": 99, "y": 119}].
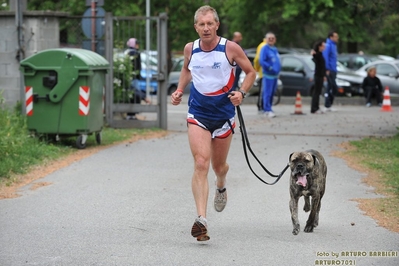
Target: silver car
[
  {"x": 174, "y": 76},
  {"x": 387, "y": 72}
]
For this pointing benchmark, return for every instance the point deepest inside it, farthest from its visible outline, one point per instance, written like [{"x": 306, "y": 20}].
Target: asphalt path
[{"x": 131, "y": 204}]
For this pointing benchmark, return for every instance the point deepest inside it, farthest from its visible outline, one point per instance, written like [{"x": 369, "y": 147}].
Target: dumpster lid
[{"x": 53, "y": 58}]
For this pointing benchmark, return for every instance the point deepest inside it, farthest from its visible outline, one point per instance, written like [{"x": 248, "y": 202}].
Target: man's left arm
[{"x": 250, "y": 74}]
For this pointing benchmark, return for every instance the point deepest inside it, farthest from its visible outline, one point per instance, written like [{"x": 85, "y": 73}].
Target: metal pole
[
  {"x": 162, "y": 69},
  {"x": 93, "y": 25},
  {"x": 21, "y": 53},
  {"x": 109, "y": 89},
  {"x": 147, "y": 47}
]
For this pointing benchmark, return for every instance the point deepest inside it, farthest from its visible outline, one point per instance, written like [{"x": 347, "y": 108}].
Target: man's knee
[
  {"x": 221, "y": 169},
  {"x": 201, "y": 163}
]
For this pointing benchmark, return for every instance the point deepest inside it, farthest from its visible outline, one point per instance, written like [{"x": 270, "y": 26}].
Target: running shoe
[
  {"x": 220, "y": 199},
  {"x": 199, "y": 229}
]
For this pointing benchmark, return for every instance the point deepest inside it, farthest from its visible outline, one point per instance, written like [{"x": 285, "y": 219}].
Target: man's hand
[
  {"x": 236, "y": 97},
  {"x": 176, "y": 97}
]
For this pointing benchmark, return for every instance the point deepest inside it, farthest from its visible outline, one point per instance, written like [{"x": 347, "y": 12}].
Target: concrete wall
[{"x": 40, "y": 32}]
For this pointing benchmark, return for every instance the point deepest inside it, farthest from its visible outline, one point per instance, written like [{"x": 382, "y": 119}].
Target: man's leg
[
  {"x": 267, "y": 83},
  {"x": 379, "y": 97},
  {"x": 328, "y": 93},
  {"x": 200, "y": 145},
  {"x": 220, "y": 151},
  {"x": 260, "y": 95},
  {"x": 318, "y": 84},
  {"x": 135, "y": 97},
  {"x": 369, "y": 93},
  {"x": 273, "y": 87},
  {"x": 334, "y": 86}
]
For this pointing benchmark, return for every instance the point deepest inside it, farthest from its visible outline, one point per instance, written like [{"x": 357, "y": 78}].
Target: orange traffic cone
[
  {"x": 298, "y": 104},
  {"x": 386, "y": 103}
]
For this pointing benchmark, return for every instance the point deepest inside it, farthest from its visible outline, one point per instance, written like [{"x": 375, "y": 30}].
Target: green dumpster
[{"x": 64, "y": 93}]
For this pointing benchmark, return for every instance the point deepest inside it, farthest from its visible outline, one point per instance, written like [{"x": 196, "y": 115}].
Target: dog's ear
[
  {"x": 315, "y": 161},
  {"x": 289, "y": 158}
]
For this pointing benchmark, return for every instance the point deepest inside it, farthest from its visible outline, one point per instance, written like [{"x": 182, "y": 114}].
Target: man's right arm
[
  {"x": 185, "y": 74},
  {"x": 326, "y": 56},
  {"x": 263, "y": 58}
]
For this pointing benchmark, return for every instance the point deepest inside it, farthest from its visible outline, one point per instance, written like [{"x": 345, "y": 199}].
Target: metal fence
[{"x": 111, "y": 35}]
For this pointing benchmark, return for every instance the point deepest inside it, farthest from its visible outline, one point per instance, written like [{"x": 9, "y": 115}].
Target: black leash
[{"x": 245, "y": 143}]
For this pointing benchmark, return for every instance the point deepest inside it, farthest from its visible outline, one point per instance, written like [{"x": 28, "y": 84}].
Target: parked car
[
  {"x": 348, "y": 82},
  {"x": 174, "y": 76},
  {"x": 385, "y": 57},
  {"x": 387, "y": 72},
  {"x": 355, "y": 61},
  {"x": 153, "y": 82},
  {"x": 282, "y": 50},
  {"x": 297, "y": 71}
]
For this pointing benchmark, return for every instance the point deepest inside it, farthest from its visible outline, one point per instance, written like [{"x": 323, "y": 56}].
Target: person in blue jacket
[
  {"x": 269, "y": 60},
  {"x": 330, "y": 56}
]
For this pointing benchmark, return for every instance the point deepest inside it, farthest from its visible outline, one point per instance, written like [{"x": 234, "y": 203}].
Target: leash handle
[{"x": 245, "y": 143}]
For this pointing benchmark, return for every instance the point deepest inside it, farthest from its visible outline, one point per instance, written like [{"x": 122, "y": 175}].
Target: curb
[{"x": 357, "y": 100}]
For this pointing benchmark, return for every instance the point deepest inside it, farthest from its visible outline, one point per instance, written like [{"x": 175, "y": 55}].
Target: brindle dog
[{"x": 308, "y": 179}]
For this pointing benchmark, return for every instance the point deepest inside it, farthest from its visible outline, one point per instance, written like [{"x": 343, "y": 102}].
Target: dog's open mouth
[{"x": 301, "y": 180}]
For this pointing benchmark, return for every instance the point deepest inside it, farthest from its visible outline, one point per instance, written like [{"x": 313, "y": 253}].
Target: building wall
[
  {"x": 40, "y": 32},
  {"x": 9, "y": 73}
]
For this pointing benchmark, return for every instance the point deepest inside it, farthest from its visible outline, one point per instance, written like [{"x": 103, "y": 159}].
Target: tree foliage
[{"x": 362, "y": 24}]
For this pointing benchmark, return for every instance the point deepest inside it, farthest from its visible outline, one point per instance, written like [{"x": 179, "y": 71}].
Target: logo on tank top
[{"x": 216, "y": 65}]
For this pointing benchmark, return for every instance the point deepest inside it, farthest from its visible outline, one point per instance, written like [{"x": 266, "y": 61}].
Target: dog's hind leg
[
  {"x": 312, "y": 216},
  {"x": 316, "y": 219},
  {"x": 306, "y": 208},
  {"x": 294, "y": 214}
]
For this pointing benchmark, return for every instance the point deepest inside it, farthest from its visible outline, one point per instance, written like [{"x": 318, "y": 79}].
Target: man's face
[
  {"x": 270, "y": 39},
  {"x": 322, "y": 47},
  {"x": 237, "y": 37},
  {"x": 335, "y": 37},
  {"x": 206, "y": 26}
]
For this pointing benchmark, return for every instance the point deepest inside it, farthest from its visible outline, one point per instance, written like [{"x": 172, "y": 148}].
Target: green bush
[
  {"x": 18, "y": 149},
  {"x": 122, "y": 77}
]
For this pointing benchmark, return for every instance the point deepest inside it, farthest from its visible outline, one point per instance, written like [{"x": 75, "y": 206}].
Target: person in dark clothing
[
  {"x": 134, "y": 53},
  {"x": 138, "y": 95},
  {"x": 372, "y": 87},
  {"x": 237, "y": 38},
  {"x": 319, "y": 76}
]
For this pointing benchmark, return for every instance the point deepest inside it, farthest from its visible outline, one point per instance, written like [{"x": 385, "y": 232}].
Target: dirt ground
[{"x": 371, "y": 207}]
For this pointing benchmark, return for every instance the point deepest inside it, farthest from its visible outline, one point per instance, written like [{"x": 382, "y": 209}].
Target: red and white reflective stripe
[
  {"x": 29, "y": 100},
  {"x": 84, "y": 100}
]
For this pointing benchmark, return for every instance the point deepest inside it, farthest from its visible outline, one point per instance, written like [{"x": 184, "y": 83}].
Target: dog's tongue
[{"x": 302, "y": 180}]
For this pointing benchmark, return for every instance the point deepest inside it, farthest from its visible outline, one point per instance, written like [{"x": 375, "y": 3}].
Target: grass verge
[
  {"x": 380, "y": 158},
  {"x": 20, "y": 151}
]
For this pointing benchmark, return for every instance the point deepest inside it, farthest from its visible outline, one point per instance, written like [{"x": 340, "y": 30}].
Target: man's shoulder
[{"x": 261, "y": 45}]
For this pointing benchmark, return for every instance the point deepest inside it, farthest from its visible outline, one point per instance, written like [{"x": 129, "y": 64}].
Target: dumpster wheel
[
  {"x": 98, "y": 137},
  {"x": 81, "y": 141}
]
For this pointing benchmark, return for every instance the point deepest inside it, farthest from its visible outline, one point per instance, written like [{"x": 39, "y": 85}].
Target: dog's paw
[
  {"x": 296, "y": 230},
  {"x": 306, "y": 208},
  {"x": 308, "y": 228}
]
